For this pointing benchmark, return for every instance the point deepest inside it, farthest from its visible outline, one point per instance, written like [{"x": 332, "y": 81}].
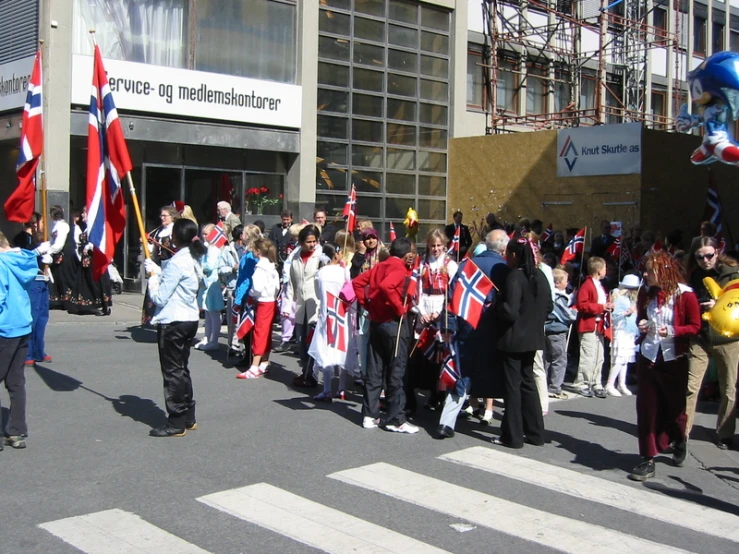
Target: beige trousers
[{"x": 591, "y": 360}]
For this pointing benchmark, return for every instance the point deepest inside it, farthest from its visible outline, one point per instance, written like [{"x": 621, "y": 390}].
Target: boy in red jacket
[
  {"x": 592, "y": 305},
  {"x": 383, "y": 292}
]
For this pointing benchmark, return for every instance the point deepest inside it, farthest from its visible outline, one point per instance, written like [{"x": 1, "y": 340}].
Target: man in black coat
[
  {"x": 280, "y": 236},
  {"x": 465, "y": 239},
  {"x": 602, "y": 242}
]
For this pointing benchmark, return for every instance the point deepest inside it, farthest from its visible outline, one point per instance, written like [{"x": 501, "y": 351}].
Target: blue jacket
[
  {"x": 243, "y": 282},
  {"x": 18, "y": 269}
]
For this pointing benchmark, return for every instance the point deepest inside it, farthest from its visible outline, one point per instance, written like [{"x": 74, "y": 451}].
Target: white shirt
[
  {"x": 59, "y": 232},
  {"x": 265, "y": 283},
  {"x": 175, "y": 291},
  {"x": 658, "y": 317}
]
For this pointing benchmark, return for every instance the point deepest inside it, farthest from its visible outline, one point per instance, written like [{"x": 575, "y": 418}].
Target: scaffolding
[{"x": 595, "y": 60}]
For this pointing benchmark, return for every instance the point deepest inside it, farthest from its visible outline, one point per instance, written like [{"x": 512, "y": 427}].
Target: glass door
[{"x": 204, "y": 188}]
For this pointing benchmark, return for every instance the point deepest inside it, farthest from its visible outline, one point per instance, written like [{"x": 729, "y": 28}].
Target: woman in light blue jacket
[{"x": 211, "y": 300}]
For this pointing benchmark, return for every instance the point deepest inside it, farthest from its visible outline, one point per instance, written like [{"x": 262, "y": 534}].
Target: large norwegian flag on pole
[
  {"x": 107, "y": 163},
  {"x": 19, "y": 206},
  {"x": 470, "y": 292},
  {"x": 350, "y": 210},
  {"x": 575, "y": 247}
]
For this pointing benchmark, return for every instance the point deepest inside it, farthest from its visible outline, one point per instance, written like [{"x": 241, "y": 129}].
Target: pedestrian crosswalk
[{"x": 327, "y": 529}]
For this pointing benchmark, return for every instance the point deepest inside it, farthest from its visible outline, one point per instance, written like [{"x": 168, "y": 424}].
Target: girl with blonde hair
[{"x": 625, "y": 333}]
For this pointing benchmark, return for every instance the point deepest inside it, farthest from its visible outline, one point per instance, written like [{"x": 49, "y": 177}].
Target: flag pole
[
  {"x": 42, "y": 158},
  {"x": 582, "y": 254}
]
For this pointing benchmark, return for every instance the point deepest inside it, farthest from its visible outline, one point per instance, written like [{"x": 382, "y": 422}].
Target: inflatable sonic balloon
[
  {"x": 714, "y": 89},
  {"x": 724, "y": 316}
]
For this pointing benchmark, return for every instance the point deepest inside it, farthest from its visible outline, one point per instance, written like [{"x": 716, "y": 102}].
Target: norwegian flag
[
  {"x": 336, "y": 322},
  {"x": 413, "y": 281},
  {"x": 350, "y": 210},
  {"x": 454, "y": 248},
  {"x": 392, "y": 232},
  {"x": 426, "y": 343},
  {"x": 217, "y": 237},
  {"x": 575, "y": 247},
  {"x": 107, "y": 163},
  {"x": 547, "y": 234},
  {"x": 721, "y": 246},
  {"x": 713, "y": 211},
  {"x": 19, "y": 206},
  {"x": 246, "y": 320},
  {"x": 235, "y": 314},
  {"x": 470, "y": 292},
  {"x": 449, "y": 371},
  {"x": 614, "y": 251}
]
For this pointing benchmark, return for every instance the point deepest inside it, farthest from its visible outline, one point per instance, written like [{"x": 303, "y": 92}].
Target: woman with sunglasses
[{"x": 708, "y": 261}]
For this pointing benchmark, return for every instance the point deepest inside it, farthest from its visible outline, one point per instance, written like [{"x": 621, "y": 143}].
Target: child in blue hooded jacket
[{"x": 18, "y": 269}]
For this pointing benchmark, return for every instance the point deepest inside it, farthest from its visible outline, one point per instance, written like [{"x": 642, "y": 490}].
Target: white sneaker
[
  {"x": 487, "y": 418},
  {"x": 623, "y": 390},
  {"x": 611, "y": 391},
  {"x": 369, "y": 423},
  {"x": 201, "y": 344},
  {"x": 407, "y": 428},
  {"x": 209, "y": 346}
]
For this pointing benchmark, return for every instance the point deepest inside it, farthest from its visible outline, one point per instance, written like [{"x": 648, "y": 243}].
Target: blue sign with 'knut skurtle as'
[{"x": 601, "y": 150}]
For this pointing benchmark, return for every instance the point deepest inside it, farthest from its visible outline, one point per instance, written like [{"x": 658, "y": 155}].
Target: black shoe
[
  {"x": 191, "y": 425},
  {"x": 444, "y": 432},
  {"x": 643, "y": 471},
  {"x": 680, "y": 452},
  {"x": 585, "y": 391},
  {"x": 725, "y": 444},
  {"x": 167, "y": 431}
]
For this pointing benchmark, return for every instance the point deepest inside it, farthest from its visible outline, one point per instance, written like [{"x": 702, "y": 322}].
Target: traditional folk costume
[
  {"x": 60, "y": 276},
  {"x": 85, "y": 295}
]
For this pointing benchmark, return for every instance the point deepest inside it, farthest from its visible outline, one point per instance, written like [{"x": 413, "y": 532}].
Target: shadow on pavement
[
  {"x": 601, "y": 421},
  {"x": 142, "y": 410},
  {"x": 694, "y": 497},
  {"x": 140, "y": 334}
]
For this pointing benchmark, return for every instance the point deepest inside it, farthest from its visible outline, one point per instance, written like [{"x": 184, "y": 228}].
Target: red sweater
[
  {"x": 588, "y": 309},
  {"x": 381, "y": 290}
]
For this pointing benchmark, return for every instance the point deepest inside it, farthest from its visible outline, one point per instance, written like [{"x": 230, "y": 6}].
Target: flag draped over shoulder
[
  {"x": 19, "y": 206},
  {"x": 107, "y": 163}
]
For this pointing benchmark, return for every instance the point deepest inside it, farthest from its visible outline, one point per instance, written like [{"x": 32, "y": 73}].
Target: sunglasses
[{"x": 705, "y": 257}]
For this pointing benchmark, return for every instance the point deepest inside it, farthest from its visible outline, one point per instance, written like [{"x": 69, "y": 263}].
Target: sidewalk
[{"x": 126, "y": 310}]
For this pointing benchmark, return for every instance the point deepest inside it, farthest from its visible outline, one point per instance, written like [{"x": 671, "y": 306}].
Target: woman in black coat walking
[{"x": 525, "y": 301}]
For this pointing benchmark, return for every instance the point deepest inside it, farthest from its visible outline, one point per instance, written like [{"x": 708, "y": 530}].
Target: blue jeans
[{"x": 38, "y": 292}]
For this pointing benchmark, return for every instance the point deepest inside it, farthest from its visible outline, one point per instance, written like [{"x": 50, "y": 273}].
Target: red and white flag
[
  {"x": 336, "y": 323},
  {"x": 107, "y": 163},
  {"x": 470, "y": 292},
  {"x": 246, "y": 320},
  {"x": 426, "y": 343},
  {"x": 614, "y": 251},
  {"x": 217, "y": 237},
  {"x": 548, "y": 233},
  {"x": 20, "y": 204},
  {"x": 575, "y": 247},
  {"x": 392, "y": 232},
  {"x": 413, "y": 281},
  {"x": 350, "y": 210},
  {"x": 454, "y": 247},
  {"x": 449, "y": 371}
]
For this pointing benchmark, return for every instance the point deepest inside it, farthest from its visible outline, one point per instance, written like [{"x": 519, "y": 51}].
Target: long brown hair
[{"x": 700, "y": 242}]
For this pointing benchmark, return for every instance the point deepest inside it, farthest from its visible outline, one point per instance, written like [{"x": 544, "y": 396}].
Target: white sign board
[
  {"x": 14, "y": 77},
  {"x": 165, "y": 90},
  {"x": 601, "y": 150}
]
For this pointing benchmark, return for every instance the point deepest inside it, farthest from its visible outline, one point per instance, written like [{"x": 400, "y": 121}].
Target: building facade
[{"x": 306, "y": 98}]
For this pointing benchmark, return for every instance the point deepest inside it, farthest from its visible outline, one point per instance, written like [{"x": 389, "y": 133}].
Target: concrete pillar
[
  {"x": 55, "y": 29},
  {"x": 301, "y": 177},
  {"x": 459, "y": 71}
]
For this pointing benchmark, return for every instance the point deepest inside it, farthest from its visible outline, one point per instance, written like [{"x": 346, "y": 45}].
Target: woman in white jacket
[{"x": 264, "y": 289}]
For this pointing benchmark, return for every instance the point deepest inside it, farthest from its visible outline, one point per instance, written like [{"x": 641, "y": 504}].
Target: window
[
  {"x": 535, "y": 90},
  {"x": 658, "y": 108},
  {"x": 659, "y": 22},
  {"x": 734, "y": 41},
  {"x": 717, "y": 38},
  {"x": 158, "y": 33},
  {"x": 475, "y": 81},
  {"x": 699, "y": 36},
  {"x": 587, "y": 93},
  {"x": 506, "y": 90},
  {"x": 562, "y": 92}
]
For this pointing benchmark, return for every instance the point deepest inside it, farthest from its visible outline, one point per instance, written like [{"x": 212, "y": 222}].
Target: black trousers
[
  {"x": 12, "y": 373},
  {"x": 174, "y": 341},
  {"x": 522, "y": 414},
  {"x": 384, "y": 368}
]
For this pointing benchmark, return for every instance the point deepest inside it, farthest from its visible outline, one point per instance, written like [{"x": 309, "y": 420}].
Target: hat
[
  {"x": 178, "y": 205},
  {"x": 630, "y": 282},
  {"x": 369, "y": 233}
]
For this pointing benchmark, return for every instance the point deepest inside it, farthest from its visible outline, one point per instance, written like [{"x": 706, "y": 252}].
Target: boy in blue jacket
[
  {"x": 18, "y": 269},
  {"x": 556, "y": 329}
]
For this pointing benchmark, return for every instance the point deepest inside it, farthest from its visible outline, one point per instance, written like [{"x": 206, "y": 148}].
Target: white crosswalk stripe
[
  {"x": 119, "y": 532},
  {"x": 551, "y": 530},
  {"x": 312, "y": 523},
  {"x": 587, "y": 487}
]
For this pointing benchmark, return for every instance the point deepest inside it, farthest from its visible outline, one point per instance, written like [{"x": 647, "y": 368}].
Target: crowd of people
[{"x": 378, "y": 316}]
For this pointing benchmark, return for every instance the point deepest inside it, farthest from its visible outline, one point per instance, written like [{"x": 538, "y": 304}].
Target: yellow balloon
[
  {"x": 724, "y": 316},
  {"x": 411, "y": 223}
]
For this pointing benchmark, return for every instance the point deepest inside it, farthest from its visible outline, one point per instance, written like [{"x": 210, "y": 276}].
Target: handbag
[{"x": 347, "y": 293}]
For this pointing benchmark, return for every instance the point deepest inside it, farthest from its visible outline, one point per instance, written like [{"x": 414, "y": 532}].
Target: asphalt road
[{"x": 90, "y": 410}]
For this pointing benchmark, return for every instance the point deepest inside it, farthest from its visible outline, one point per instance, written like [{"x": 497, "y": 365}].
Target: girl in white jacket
[{"x": 264, "y": 289}]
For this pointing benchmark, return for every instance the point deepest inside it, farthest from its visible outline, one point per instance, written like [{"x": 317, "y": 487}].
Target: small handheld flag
[
  {"x": 454, "y": 247},
  {"x": 470, "y": 292},
  {"x": 19, "y": 206},
  {"x": 547, "y": 234},
  {"x": 449, "y": 371},
  {"x": 246, "y": 320},
  {"x": 217, "y": 237},
  {"x": 350, "y": 210},
  {"x": 575, "y": 247},
  {"x": 392, "y": 232}
]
